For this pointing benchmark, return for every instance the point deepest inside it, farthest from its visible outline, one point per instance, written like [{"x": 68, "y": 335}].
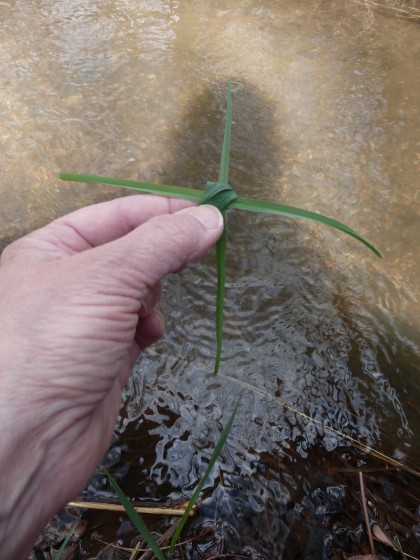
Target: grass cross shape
[{"x": 222, "y": 196}]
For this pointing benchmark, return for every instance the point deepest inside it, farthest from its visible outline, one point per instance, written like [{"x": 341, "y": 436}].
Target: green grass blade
[
  {"x": 64, "y": 544},
  {"x": 220, "y": 293},
  {"x": 221, "y": 244},
  {"x": 265, "y": 206},
  {"x": 218, "y": 194},
  {"x": 248, "y": 204},
  {"x": 224, "y": 160},
  {"x": 213, "y": 459},
  {"x": 136, "y": 519},
  {"x": 152, "y": 188}
]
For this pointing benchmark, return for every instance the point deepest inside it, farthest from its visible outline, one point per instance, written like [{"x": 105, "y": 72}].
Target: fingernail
[
  {"x": 208, "y": 215},
  {"x": 159, "y": 321}
]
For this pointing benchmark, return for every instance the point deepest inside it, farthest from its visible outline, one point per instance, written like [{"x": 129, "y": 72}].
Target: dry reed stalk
[
  {"x": 149, "y": 510},
  {"x": 365, "y": 513}
]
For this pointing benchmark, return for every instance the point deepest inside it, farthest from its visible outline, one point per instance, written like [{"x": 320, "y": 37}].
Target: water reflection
[{"x": 325, "y": 99}]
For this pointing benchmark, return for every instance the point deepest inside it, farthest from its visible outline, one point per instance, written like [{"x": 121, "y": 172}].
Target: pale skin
[{"x": 77, "y": 305}]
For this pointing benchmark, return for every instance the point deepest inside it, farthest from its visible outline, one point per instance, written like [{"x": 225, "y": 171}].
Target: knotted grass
[{"x": 221, "y": 195}]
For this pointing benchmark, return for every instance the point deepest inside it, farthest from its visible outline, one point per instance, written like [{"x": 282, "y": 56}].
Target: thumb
[{"x": 164, "y": 244}]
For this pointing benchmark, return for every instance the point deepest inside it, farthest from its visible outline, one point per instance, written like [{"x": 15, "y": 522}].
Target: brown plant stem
[
  {"x": 140, "y": 509},
  {"x": 366, "y": 514}
]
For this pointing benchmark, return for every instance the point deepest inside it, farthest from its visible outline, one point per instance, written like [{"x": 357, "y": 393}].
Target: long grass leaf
[
  {"x": 136, "y": 519},
  {"x": 221, "y": 244},
  {"x": 224, "y": 160},
  {"x": 152, "y": 188},
  {"x": 64, "y": 544},
  {"x": 214, "y": 456},
  {"x": 265, "y": 206},
  {"x": 248, "y": 204}
]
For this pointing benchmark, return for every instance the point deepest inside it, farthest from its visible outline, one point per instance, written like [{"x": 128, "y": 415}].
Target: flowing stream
[{"x": 323, "y": 335}]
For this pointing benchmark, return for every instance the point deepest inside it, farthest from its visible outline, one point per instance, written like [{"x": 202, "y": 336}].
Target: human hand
[{"x": 77, "y": 305}]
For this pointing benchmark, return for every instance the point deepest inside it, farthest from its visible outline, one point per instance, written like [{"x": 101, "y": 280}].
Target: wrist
[
  {"x": 23, "y": 488},
  {"x": 29, "y": 485}
]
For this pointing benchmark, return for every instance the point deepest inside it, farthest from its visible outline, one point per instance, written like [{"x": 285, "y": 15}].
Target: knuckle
[{"x": 178, "y": 234}]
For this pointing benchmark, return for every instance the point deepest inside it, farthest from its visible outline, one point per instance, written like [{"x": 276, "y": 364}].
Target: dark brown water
[{"x": 326, "y": 98}]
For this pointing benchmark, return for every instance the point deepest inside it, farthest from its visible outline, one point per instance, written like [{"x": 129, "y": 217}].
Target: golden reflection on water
[{"x": 326, "y": 100}]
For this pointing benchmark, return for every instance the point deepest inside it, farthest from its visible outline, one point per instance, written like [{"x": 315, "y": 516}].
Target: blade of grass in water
[
  {"x": 136, "y": 519},
  {"x": 214, "y": 456}
]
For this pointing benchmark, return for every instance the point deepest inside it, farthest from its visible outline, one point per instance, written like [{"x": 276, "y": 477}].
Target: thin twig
[
  {"x": 140, "y": 509},
  {"x": 227, "y": 555},
  {"x": 366, "y": 514},
  {"x": 350, "y": 440},
  {"x": 162, "y": 541},
  {"x": 410, "y": 556},
  {"x": 138, "y": 547}
]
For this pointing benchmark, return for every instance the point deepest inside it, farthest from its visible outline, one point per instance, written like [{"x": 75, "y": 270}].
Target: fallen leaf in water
[{"x": 381, "y": 536}]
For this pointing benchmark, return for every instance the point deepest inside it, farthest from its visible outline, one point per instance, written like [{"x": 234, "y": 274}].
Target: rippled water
[{"x": 326, "y": 98}]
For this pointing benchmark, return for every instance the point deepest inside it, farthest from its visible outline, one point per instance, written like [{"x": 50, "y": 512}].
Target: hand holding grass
[{"x": 77, "y": 304}]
